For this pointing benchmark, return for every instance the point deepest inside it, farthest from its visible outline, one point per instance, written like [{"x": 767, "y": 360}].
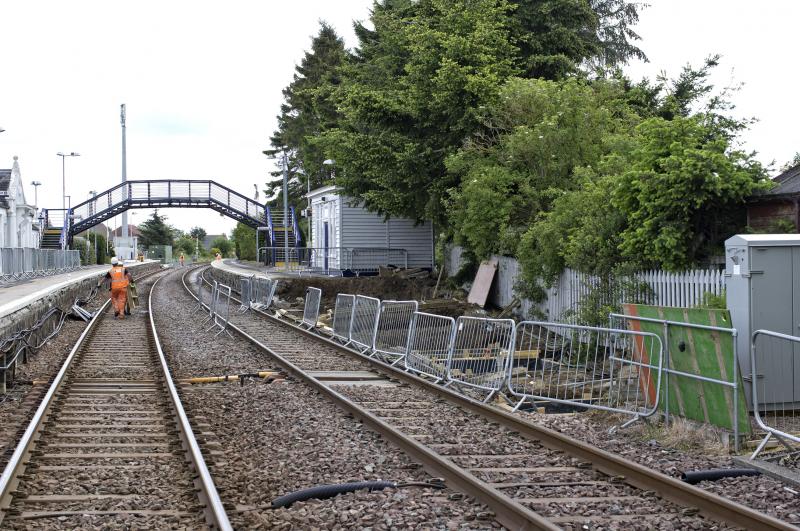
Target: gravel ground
[
  {"x": 639, "y": 443},
  {"x": 275, "y": 438}
]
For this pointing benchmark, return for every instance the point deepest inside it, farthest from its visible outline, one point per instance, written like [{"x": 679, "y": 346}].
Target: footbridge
[{"x": 167, "y": 193}]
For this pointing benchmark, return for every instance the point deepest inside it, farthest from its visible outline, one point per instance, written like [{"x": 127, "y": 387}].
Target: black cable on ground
[
  {"x": 323, "y": 492},
  {"x": 692, "y": 478}
]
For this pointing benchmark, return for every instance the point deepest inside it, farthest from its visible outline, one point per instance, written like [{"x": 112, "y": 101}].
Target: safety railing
[
  {"x": 311, "y": 307},
  {"x": 362, "y": 324},
  {"x": 393, "y": 326},
  {"x": 17, "y": 263},
  {"x": 332, "y": 260},
  {"x": 172, "y": 193},
  {"x": 600, "y": 368},
  {"x": 430, "y": 345},
  {"x": 343, "y": 316},
  {"x": 775, "y": 387},
  {"x": 482, "y": 349},
  {"x": 678, "y": 335}
]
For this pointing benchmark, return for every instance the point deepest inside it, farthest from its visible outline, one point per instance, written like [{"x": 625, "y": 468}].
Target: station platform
[
  {"x": 14, "y": 297},
  {"x": 231, "y": 265}
]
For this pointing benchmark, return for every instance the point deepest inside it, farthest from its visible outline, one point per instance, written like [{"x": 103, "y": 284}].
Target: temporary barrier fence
[
  {"x": 390, "y": 341},
  {"x": 17, "y": 263},
  {"x": 482, "y": 349},
  {"x": 263, "y": 290},
  {"x": 199, "y": 288},
  {"x": 220, "y": 312},
  {"x": 246, "y": 293},
  {"x": 212, "y": 302},
  {"x": 774, "y": 361},
  {"x": 343, "y": 316},
  {"x": 362, "y": 324},
  {"x": 311, "y": 307},
  {"x": 430, "y": 345},
  {"x": 728, "y": 380},
  {"x": 601, "y": 368}
]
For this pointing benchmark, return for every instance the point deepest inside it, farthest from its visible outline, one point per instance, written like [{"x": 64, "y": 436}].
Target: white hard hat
[{"x": 114, "y": 261}]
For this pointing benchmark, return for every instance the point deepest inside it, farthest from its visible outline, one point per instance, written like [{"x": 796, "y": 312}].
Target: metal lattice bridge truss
[{"x": 172, "y": 193}]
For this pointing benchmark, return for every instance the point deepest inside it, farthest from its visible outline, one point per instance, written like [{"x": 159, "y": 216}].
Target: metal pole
[
  {"x": 285, "y": 211},
  {"x": 63, "y": 186},
  {"x": 124, "y": 174}
]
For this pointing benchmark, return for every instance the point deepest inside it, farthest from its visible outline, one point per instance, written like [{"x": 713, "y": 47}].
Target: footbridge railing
[{"x": 173, "y": 193}]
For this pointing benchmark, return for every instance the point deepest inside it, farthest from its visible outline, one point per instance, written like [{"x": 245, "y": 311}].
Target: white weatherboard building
[
  {"x": 339, "y": 222},
  {"x": 18, "y": 226}
]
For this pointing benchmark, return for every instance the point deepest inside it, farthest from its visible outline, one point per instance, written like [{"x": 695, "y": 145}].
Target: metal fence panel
[
  {"x": 362, "y": 325},
  {"x": 776, "y": 402},
  {"x": 430, "y": 345},
  {"x": 262, "y": 292},
  {"x": 392, "y": 329},
  {"x": 246, "y": 293},
  {"x": 482, "y": 349},
  {"x": 311, "y": 307},
  {"x": 601, "y": 368},
  {"x": 343, "y": 315}
]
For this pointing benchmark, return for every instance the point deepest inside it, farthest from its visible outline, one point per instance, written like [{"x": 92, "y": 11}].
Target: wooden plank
[{"x": 479, "y": 292}]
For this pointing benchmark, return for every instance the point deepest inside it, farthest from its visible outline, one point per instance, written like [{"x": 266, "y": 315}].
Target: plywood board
[
  {"x": 696, "y": 351},
  {"x": 479, "y": 292}
]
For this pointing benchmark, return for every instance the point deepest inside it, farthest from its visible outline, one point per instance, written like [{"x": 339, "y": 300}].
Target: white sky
[{"x": 202, "y": 83}]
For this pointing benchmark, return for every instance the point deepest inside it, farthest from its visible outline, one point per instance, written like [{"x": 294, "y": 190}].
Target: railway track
[
  {"x": 530, "y": 476},
  {"x": 110, "y": 443}
]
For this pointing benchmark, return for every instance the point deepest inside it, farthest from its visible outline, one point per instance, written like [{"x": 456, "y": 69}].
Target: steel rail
[
  {"x": 15, "y": 466},
  {"x": 709, "y": 504},
  {"x": 215, "y": 512},
  {"x": 508, "y": 512}
]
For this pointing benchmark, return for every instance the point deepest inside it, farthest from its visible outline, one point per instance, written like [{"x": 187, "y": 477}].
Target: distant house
[
  {"x": 766, "y": 210},
  {"x": 133, "y": 231},
  {"x": 18, "y": 227},
  {"x": 208, "y": 239}
]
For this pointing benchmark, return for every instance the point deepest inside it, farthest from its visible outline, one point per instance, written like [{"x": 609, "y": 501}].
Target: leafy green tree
[
  {"x": 98, "y": 241},
  {"x": 185, "y": 245},
  {"x": 155, "y": 231},
  {"x": 244, "y": 241},
  {"x": 198, "y": 233},
  {"x": 412, "y": 94},
  {"x": 222, "y": 244}
]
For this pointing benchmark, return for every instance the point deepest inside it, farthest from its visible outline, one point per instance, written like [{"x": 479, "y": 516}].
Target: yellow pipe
[{"x": 231, "y": 378}]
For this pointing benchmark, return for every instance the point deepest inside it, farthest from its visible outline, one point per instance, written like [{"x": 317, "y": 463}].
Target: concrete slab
[{"x": 781, "y": 473}]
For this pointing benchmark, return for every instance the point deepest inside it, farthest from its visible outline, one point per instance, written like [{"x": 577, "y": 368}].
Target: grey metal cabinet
[{"x": 763, "y": 292}]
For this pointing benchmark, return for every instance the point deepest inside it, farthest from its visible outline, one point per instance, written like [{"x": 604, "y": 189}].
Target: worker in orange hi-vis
[
  {"x": 182, "y": 259},
  {"x": 120, "y": 278}
]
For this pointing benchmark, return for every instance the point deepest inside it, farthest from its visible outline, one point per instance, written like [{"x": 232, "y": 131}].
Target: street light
[
  {"x": 36, "y": 185},
  {"x": 63, "y": 178}
]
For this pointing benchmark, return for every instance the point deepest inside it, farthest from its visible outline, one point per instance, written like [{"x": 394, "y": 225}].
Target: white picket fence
[{"x": 680, "y": 290}]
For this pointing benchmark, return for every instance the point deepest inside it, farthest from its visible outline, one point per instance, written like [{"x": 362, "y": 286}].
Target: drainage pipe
[{"x": 692, "y": 478}]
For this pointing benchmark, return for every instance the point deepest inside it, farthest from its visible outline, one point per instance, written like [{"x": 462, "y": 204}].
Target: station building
[
  {"x": 339, "y": 222},
  {"x": 18, "y": 226}
]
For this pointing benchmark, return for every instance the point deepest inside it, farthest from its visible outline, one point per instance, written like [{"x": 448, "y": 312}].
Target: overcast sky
[{"x": 202, "y": 82}]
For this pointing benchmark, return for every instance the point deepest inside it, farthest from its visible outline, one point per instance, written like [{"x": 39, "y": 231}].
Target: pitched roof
[
  {"x": 787, "y": 182},
  {"x": 133, "y": 230}
]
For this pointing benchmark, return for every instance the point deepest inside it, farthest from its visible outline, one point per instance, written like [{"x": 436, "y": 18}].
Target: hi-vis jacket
[{"x": 118, "y": 278}]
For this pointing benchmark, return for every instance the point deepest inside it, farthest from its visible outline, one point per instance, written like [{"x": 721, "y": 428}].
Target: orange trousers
[{"x": 118, "y": 299}]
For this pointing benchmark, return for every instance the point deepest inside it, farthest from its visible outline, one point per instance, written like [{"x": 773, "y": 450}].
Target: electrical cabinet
[{"x": 763, "y": 292}]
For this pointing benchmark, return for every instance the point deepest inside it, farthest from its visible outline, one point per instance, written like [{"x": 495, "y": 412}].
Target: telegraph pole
[{"x": 124, "y": 175}]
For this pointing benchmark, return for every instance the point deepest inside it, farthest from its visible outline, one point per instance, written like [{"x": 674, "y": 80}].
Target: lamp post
[
  {"x": 285, "y": 211},
  {"x": 63, "y": 177},
  {"x": 36, "y": 185},
  {"x": 92, "y": 195}
]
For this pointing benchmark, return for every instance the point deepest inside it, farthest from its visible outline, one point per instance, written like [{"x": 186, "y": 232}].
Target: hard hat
[{"x": 114, "y": 261}]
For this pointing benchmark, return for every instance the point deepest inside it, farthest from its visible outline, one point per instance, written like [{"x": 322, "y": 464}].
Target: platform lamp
[{"x": 63, "y": 178}]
